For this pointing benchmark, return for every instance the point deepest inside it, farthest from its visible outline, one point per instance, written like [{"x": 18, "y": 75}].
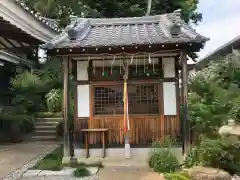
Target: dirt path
[{"x": 16, "y": 156}]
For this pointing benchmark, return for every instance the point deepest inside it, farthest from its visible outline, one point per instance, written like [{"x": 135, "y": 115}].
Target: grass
[
  {"x": 81, "y": 172},
  {"x": 53, "y": 162}
]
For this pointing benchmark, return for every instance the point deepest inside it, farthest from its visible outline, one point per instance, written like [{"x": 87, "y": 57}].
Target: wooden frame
[
  {"x": 143, "y": 129},
  {"x": 168, "y": 124}
]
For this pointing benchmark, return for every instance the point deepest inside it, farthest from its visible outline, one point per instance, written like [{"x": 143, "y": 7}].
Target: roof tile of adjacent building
[
  {"x": 19, "y": 15},
  {"x": 48, "y": 22},
  {"x": 88, "y": 32}
]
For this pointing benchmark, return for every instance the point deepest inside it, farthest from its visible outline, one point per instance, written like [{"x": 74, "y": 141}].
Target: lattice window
[{"x": 143, "y": 99}]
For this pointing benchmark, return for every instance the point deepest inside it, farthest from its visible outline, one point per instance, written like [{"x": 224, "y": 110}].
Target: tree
[
  {"x": 62, "y": 9},
  {"x": 215, "y": 95}
]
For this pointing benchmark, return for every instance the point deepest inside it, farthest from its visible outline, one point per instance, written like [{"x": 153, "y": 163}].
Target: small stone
[
  {"x": 207, "y": 173},
  {"x": 30, "y": 173}
]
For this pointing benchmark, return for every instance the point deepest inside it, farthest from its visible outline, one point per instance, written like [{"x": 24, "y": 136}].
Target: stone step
[
  {"x": 44, "y": 133},
  {"x": 44, "y": 138},
  {"x": 49, "y": 119},
  {"x": 53, "y": 123},
  {"x": 45, "y": 128}
]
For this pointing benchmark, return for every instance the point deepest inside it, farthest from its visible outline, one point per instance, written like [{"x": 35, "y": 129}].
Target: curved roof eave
[{"x": 27, "y": 22}]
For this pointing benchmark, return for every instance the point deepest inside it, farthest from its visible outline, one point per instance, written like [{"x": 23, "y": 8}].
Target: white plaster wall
[
  {"x": 169, "y": 98},
  {"x": 169, "y": 67},
  {"x": 83, "y": 100},
  {"x": 82, "y": 70}
]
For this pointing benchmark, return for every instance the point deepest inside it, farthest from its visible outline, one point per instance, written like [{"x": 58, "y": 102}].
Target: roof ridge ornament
[
  {"x": 177, "y": 12},
  {"x": 78, "y": 28},
  {"x": 175, "y": 29}
]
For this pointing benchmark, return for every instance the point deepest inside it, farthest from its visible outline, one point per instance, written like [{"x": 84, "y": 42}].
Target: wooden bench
[{"x": 102, "y": 133}]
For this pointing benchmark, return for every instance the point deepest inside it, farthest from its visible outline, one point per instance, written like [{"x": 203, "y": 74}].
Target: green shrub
[
  {"x": 54, "y": 100},
  {"x": 161, "y": 158},
  {"x": 175, "y": 176},
  {"x": 24, "y": 122},
  {"x": 81, "y": 172},
  {"x": 216, "y": 153},
  {"x": 165, "y": 162}
]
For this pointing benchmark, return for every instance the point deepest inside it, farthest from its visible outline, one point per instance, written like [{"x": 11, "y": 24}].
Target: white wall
[
  {"x": 83, "y": 100},
  {"x": 82, "y": 70},
  {"x": 83, "y": 90},
  {"x": 169, "y": 67},
  {"x": 169, "y": 98}
]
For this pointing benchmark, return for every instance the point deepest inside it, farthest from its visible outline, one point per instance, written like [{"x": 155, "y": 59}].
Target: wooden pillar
[
  {"x": 66, "y": 142},
  {"x": 185, "y": 123}
]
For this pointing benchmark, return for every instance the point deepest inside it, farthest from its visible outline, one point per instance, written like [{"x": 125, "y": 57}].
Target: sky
[{"x": 221, "y": 23}]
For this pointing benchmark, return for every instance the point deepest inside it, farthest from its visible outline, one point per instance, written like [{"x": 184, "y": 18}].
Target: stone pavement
[
  {"x": 107, "y": 173},
  {"x": 17, "y": 156}
]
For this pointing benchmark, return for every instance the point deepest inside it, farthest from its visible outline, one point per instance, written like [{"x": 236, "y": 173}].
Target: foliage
[
  {"x": 62, "y": 9},
  {"x": 41, "y": 89},
  {"x": 81, "y": 172},
  {"x": 51, "y": 74},
  {"x": 175, "y": 176},
  {"x": 215, "y": 95},
  {"x": 161, "y": 158},
  {"x": 27, "y": 87},
  {"x": 216, "y": 153},
  {"x": 54, "y": 100},
  {"x": 24, "y": 122},
  {"x": 14, "y": 125}
]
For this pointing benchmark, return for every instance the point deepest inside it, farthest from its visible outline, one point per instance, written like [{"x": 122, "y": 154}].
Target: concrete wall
[{"x": 141, "y": 154}]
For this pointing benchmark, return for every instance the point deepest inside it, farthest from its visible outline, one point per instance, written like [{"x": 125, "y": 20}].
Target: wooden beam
[
  {"x": 66, "y": 143},
  {"x": 185, "y": 123},
  {"x": 19, "y": 36}
]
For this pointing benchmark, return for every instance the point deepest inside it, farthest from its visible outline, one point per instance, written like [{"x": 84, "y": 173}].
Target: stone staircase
[{"x": 45, "y": 129}]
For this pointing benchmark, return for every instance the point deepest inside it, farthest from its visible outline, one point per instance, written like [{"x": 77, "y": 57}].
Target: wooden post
[
  {"x": 185, "y": 123},
  {"x": 66, "y": 143}
]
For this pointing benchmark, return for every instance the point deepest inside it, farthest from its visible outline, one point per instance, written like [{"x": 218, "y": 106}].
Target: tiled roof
[
  {"x": 222, "y": 51},
  {"x": 48, "y": 22},
  {"x": 88, "y": 32}
]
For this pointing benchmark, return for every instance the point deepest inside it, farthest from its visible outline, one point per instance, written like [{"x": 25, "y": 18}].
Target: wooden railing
[{"x": 143, "y": 129}]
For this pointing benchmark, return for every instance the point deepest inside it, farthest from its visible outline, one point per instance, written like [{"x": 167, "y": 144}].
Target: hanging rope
[
  {"x": 136, "y": 64},
  {"x": 144, "y": 68},
  {"x": 120, "y": 65},
  {"x": 103, "y": 66},
  {"x": 112, "y": 63}
]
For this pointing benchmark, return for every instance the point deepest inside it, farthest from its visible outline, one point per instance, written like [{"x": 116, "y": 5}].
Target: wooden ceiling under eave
[{"x": 12, "y": 37}]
